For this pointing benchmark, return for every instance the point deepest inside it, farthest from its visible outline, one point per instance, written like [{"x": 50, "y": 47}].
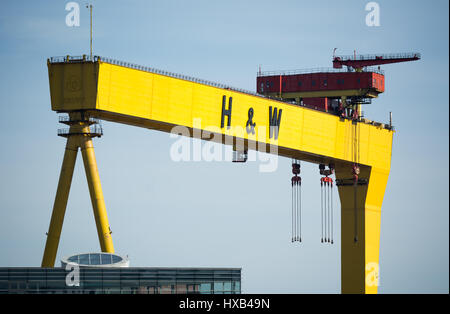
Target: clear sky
[{"x": 218, "y": 214}]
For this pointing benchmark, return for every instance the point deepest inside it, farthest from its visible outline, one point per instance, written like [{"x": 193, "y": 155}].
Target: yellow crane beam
[{"x": 143, "y": 97}]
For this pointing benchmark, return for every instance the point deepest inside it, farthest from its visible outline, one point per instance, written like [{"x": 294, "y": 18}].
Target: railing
[
  {"x": 316, "y": 70},
  {"x": 381, "y": 56},
  {"x": 66, "y": 119},
  {"x": 85, "y": 58},
  {"x": 175, "y": 75},
  {"x": 73, "y": 59},
  {"x": 95, "y": 130}
]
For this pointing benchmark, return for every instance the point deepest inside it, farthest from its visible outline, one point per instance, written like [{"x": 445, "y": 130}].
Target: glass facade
[
  {"x": 124, "y": 280},
  {"x": 96, "y": 259}
]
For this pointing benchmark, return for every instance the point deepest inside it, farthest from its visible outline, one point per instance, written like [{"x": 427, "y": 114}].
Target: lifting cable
[
  {"x": 321, "y": 209},
  {"x": 326, "y": 195},
  {"x": 355, "y": 172},
  {"x": 355, "y": 169},
  {"x": 325, "y": 210},
  {"x": 296, "y": 183},
  {"x": 331, "y": 204}
]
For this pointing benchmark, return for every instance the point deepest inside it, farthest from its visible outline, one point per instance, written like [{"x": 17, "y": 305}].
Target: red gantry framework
[
  {"x": 332, "y": 90},
  {"x": 358, "y": 62}
]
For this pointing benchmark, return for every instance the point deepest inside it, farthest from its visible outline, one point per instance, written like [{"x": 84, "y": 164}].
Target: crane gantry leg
[
  {"x": 95, "y": 190},
  {"x": 78, "y": 136},
  {"x": 360, "y": 259},
  {"x": 59, "y": 207}
]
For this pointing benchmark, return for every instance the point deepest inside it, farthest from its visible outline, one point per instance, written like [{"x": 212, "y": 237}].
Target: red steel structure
[
  {"x": 317, "y": 88},
  {"x": 360, "y": 61},
  {"x": 330, "y": 89}
]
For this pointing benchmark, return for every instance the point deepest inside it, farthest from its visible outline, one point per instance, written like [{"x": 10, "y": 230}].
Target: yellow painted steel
[
  {"x": 360, "y": 260},
  {"x": 95, "y": 190},
  {"x": 146, "y": 99},
  {"x": 79, "y": 138},
  {"x": 60, "y": 204}
]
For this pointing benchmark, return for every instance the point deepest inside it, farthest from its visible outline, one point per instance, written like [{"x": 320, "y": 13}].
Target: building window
[
  {"x": 218, "y": 287},
  {"x": 115, "y": 280},
  {"x": 227, "y": 286},
  {"x": 237, "y": 286},
  {"x": 205, "y": 288},
  {"x": 325, "y": 83},
  {"x": 299, "y": 83},
  {"x": 313, "y": 83}
]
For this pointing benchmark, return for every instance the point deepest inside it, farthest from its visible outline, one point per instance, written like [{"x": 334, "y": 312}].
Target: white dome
[{"x": 96, "y": 260}]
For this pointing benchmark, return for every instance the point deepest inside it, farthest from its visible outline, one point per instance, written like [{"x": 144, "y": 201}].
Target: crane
[
  {"x": 359, "y": 62},
  {"x": 338, "y": 91},
  {"x": 334, "y": 89},
  {"x": 86, "y": 89}
]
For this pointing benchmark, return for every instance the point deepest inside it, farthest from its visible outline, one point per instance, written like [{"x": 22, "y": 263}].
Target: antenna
[{"x": 90, "y": 11}]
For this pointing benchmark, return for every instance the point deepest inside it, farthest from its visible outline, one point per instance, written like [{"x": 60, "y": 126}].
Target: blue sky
[{"x": 164, "y": 213}]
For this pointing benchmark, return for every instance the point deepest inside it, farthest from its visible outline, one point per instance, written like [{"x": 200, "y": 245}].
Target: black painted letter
[
  {"x": 274, "y": 121},
  {"x": 226, "y": 112}
]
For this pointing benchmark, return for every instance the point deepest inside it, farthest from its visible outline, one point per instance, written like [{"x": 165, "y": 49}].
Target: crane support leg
[
  {"x": 60, "y": 204},
  {"x": 79, "y": 136},
  {"x": 95, "y": 190},
  {"x": 360, "y": 254}
]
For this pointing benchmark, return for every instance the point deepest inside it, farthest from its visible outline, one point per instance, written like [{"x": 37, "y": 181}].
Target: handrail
[
  {"x": 381, "y": 56},
  {"x": 317, "y": 70},
  {"x": 93, "y": 130},
  {"x": 73, "y": 59},
  {"x": 85, "y": 58},
  {"x": 65, "y": 119}
]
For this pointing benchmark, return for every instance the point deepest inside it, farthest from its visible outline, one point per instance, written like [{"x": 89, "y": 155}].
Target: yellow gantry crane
[{"x": 100, "y": 88}]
